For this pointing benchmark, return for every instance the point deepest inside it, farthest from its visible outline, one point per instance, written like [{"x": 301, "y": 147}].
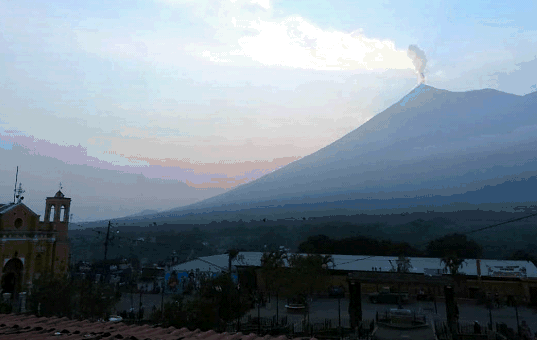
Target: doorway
[{"x": 12, "y": 276}]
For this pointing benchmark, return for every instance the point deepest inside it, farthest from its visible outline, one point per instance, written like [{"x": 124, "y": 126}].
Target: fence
[
  {"x": 468, "y": 330},
  {"x": 326, "y": 329},
  {"x": 329, "y": 329},
  {"x": 394, "y": 317}
]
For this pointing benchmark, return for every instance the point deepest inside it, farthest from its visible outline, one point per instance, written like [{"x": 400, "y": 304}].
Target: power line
[
  {"x": 464, "y": 233},
  {"x": 365, "y": 258},
  {"x": 114, "y": 236},
  {"x": 483, "y": 228},
  {"x": 498, "y": 224}
]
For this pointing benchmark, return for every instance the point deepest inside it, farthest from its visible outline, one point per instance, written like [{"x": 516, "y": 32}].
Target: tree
[
  {"x": 403, "y": 264},
  {"x": 522, "y": 255},
  {"x": 319, "y": 244},
  {"x": 230, "y": 303},
  {"x": 356, "y": 245},
  {"x": 307, "y": 275},
  {"x": 52, "y": 296},
  {"x": 65, "y": 296},
  {"x": 420, "y": 226},
  {"x": 271, "y": 241},
  {"x": 94, "y": 300},
  {"x": 296, "y": 276},
  {"x": 174, "y": 314},
  {"x": 218, "y": 303},
  {"x": 454, "y": 245},
  {"x": 273, "y": 270},
  {"x": 452, "y": 263}
]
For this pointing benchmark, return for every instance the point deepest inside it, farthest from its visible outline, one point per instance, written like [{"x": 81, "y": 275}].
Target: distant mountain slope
[{"x": 430, "y": 142}]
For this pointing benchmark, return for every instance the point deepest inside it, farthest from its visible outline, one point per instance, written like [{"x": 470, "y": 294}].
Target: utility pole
[
  {"x": 258, "y": 313},
  {"x": 162, "y": 298},
  {"x": 517, "y": 324},
  {"x": 106, "y": 241},
  {"x": 140, "y": 312}
]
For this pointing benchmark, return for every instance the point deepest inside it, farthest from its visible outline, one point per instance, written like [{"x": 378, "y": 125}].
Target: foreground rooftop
[{"x": 14, "y": 326}]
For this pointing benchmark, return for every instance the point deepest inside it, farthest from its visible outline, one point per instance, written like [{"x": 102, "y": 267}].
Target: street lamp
[
  {"x": 489, "y": 307},
  {"x": 258, "y": 300},
  {"x": 339, "y": 315},
  {"x": 238, "y": 306},
  {"x": 516, "y": 312},
  {"x": 162, "y": 298}
]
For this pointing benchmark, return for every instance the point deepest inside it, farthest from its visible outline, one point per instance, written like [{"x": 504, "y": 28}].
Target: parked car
[{"x": 296, "y": 305}]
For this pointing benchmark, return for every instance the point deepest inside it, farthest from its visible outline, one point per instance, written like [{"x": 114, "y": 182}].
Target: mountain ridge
[{"x": 423, "y": 141}]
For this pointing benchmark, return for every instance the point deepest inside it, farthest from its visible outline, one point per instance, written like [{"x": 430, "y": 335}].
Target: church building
[{"x": 30, "y": 247}]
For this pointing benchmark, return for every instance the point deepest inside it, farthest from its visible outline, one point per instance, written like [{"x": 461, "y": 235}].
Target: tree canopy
[
  {"x": 62, "y": 296},
  {"x": 219, "y": 302},
  {"x": 454, "y": 245},
  {"x": 296, "y": 275},
  {"x": 357, "y": 245}
]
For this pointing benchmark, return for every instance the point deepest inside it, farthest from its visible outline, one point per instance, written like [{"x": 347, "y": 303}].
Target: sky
[{"x": 211, "y": 94}]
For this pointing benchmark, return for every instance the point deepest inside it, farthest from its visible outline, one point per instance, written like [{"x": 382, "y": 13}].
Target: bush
[{"x": 5, "y": 307}]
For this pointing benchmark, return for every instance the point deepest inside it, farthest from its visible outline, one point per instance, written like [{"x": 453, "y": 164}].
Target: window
[
  {"x": 63, "y": 212},
  {"x": 51, "y": 217},
  {"x": 18, "y": 223}
]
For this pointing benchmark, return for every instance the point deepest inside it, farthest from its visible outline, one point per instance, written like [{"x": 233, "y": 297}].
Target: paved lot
[{"x": 324, "y": 308}]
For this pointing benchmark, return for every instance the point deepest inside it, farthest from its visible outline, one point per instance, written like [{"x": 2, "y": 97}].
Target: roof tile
[{"x": 13, "y": 326}]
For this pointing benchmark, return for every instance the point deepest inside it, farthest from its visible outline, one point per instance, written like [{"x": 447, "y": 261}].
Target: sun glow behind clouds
[
  {"x": 294, "y": 42},
  {"x": 247, "y": 31}
]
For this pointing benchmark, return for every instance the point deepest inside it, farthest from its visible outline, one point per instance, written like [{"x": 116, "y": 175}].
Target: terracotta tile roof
[{"x": 13, "y": 326}]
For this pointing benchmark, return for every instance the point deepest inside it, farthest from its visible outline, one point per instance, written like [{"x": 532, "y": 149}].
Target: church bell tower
[{"x": 57, "y": 220}]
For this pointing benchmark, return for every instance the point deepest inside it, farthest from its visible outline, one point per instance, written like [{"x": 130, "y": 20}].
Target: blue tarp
[{"x": 179, "y": 275}]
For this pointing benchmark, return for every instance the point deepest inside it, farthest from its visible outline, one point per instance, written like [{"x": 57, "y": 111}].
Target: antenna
[
  {"x": 16, "y": 178},
  {"x": 20, "y": 191}
]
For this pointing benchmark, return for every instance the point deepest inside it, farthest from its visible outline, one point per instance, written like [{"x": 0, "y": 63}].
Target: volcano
[{"x": 451, "y": 145}]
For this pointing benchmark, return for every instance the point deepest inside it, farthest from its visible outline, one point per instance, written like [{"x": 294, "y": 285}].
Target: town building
[
  {"x": 30, "y": 247},
  {"x": 503, "y": 278}
]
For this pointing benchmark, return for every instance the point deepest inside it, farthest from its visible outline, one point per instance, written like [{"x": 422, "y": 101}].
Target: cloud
[
  {"x": 246, "y": 33},
  {"x": 294, "y": 42},
  {"x": 263, "y": 3}
]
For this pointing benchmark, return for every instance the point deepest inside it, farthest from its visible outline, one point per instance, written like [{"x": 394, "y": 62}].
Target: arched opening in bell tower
[
  {"x": 51, "y": 215},
  {"x": 63, "y": 212}
]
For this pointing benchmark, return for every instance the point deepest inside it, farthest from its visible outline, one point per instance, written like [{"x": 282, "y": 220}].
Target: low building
[{"x": 510, "y": 279}]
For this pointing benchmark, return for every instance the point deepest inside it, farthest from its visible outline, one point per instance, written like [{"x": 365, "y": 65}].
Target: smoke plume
[{"x": 419, "y": 60}]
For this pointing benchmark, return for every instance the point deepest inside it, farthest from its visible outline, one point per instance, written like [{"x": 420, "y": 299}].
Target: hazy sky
[{"x": 215, "y": 93}]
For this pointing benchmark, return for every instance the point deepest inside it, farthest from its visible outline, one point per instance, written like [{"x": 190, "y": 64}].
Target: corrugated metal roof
[
  {"x": 368, "y": 263},
  {"x": 213, "y": 264},
  {"x": 14, "y": 327}
]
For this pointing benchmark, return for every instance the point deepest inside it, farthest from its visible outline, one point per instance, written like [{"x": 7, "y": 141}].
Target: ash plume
[{"x": 419, "y": 60}]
